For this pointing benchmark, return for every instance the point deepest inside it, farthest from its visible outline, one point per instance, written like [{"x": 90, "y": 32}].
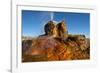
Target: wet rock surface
[{"x": 47, "y": 48}]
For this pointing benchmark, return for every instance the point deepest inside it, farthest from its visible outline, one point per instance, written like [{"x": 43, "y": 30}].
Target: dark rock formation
[
  {"x": 56, "y": 44},
  {"x": 62, "y": 30},
  {"x": 50, "y": 29},
  {"x": 56, "y": 30}
]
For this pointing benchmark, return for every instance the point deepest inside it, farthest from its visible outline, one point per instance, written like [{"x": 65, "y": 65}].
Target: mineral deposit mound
[{"x": 55, "y": 45}]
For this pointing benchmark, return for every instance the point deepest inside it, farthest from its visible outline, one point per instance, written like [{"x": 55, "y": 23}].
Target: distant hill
[{"x": 27, "y": 38}]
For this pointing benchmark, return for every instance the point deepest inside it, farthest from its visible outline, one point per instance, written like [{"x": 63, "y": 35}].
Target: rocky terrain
[{"x": 55, "y": 45}]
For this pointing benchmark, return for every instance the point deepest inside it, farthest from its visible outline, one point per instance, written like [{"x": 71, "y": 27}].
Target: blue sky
[{"x": 33, "y": 22}]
